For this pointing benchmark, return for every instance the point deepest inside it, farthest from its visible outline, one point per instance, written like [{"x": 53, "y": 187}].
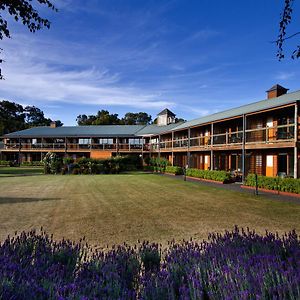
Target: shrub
[
  {"x": 159, "y": 164},
  {"x": 68, "y": 160},
  {"x": 150, "y": 256},
  {"x": 149, "y": 168},
  {"x": 32, "y": 163},
  {"x": 4, "y": 163},
  {"x": 75, "y": 171},
  {"x": 52, "y": 163},
  {"x": 290, "y": 185},
  {"x": 221, "y": 176},
  {"x": 174, "y": 170},
  {"x": 147, "y": 160}
]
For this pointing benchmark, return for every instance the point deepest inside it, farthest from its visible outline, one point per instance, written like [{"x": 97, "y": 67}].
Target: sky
[{"x": 194, "y": 57}]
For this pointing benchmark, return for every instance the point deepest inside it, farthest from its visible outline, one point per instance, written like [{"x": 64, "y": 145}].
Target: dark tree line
[
  {"x": 14, "y": 117},
  {"x": 104, "y": 117}
]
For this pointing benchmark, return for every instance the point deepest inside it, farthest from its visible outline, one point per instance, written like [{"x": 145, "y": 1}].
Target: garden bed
[
  {"x": 239, "y": 264},
  {"x": 277, "y": 192},
  {"x": 206, "y": 180}
]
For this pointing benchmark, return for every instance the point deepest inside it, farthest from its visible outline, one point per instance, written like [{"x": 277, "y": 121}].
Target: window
[
  {"x": 84, "y": 141},
  {"x": 135, "y": 141},
  {"x": 106, "y": 141}
]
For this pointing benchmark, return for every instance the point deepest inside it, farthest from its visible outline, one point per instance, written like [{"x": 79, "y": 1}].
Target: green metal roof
[
  {"x": 142, "y": 130},
  {"x": 155, "y": 129},
  {"x": 79, "y": 131},
  {"x": 245, "y": 109}
]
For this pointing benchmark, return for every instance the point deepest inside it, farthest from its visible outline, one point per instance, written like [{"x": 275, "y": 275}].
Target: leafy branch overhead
[
  {"x": 286, "y": 18},
  {"x": 23, "y": 11}
]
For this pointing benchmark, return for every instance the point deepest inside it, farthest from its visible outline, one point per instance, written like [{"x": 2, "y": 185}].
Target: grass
[
  {"x": 110, "y": 209},
  {"x": 20, "y": 171}
]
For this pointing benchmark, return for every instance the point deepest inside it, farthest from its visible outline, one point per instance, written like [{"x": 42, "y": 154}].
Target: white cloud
[
  {"x": 285, "y": 75},
  {"x": 46, "y": 73}
]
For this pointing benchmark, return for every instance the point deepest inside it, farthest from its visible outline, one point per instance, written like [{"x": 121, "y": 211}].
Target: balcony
[
  {"x": 76, "y": 147},
  {"x": 266, "y": 135}
]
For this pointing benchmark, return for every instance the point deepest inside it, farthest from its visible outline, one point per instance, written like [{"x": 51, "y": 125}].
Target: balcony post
[
  {"x": 296, "y": 141},
  {"x": 159, "y": 146},
  {"x": 188, "y": 152},
  {"x": 172, "y": 148},
  {"x": 244, "y": 150},
  {"x": 66, "y": 147},
  {"x": 19, "y": 153},
  {"x": 211, "y": 146},
  {"x": 117, "y": 145},
  {"x": 143, "y": 149}
]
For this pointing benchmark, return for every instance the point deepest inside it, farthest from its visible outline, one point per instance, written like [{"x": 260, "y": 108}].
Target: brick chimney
[
  {"x": 276, "y": 91},
  {"x": 53, "y": 124}
]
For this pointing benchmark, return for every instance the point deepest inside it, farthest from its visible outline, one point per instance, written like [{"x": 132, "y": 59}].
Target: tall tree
[
  {"x": 103, "y": 117},
  {"x": 22, "y": 11},
  {"x": 140, "y": 118},
  {"x": 12, "y": 117},
  {"x": 35, "y": 117}
]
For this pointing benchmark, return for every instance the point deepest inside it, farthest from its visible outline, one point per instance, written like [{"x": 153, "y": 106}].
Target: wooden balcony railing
[
  {"x": 88, "y": 147},
  {"x": 264, "y": 135}
]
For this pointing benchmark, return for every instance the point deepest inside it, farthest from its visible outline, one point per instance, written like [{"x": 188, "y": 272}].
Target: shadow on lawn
[{"x": 13, "y": 200}]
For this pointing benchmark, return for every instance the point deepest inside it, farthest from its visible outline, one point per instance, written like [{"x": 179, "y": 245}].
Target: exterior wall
[{"x": 100, "y": 154}]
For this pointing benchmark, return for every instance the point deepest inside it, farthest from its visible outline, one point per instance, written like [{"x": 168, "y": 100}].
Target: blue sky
[{"x": 194, "y": 57}]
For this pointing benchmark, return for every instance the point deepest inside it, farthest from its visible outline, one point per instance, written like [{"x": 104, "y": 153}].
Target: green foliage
[
  {"x": 159, "y": 164},
  {"x": 221, "y": 176},
  {"x": 4, "y": 163},
  {"x": 290, "y": 185},
  {"x": 52, "y": 163},
  {"x": 149, "y": 168},
  {"x": 113, "y": 165},
  {"x": 68, "y": 160},
  {"x": 104, "y": 117},
  {"x": 14, "y": 117},
  {"x": 32, "y": 163},
  {"x": 174, "y": 170},
  {"x": 150, "y": 256},
  {"x": 147, "y": 160}
]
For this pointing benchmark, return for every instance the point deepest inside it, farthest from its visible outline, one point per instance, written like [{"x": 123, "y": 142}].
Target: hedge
[
  {"x": 114, "y": 165},
  {"x": 221, "y": 176},
  {"x": 32, "y": 163},
  {"x": 4, "y": 163},
  {"x": 174, "y": 170},
  {"x": 290, "y": 185}
]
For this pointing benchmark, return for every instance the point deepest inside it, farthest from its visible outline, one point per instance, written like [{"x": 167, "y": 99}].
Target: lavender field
[{"x": 239, "y": 264}]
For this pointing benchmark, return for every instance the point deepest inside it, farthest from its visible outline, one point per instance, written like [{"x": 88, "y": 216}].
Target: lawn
[
  {"x": 21, "y": 171},
  {"x": 109, "y": 209}
]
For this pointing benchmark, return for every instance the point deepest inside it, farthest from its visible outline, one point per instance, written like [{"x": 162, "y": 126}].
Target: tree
[
  {"x": 35, "y": 117},
  {"x": 285, "y": 20},
  {"x": 103, "y": 117},
  {"x": 58, "y": 123},
  {"x": 23, "y": 11},
  {"x": 12, "y": 117},
  {"x": 140, "y": 118}
]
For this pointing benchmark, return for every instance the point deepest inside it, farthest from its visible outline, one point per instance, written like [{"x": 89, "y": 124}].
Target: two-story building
[{"x": 261, "y": 137}]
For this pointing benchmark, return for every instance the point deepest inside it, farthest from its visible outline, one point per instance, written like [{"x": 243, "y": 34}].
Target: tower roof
[
  {"x": 166, "y": 112},
  {"x": 277, "y": 87}
]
